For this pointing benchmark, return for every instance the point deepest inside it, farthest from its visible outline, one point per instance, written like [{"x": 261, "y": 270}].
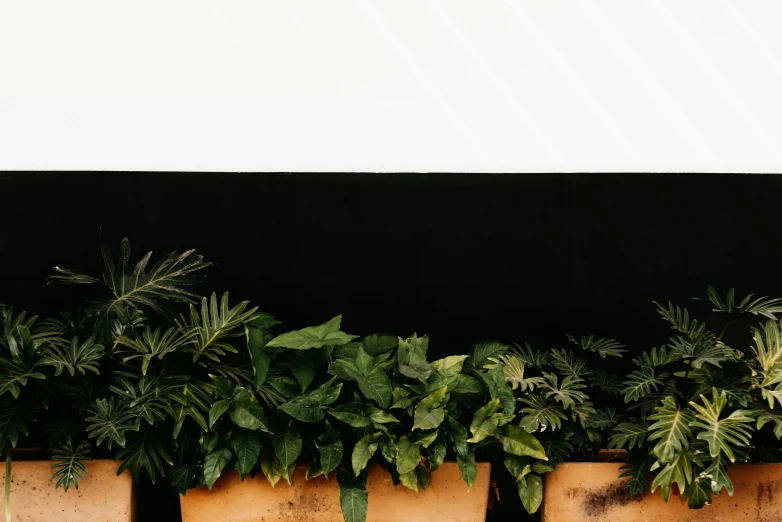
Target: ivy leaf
[
  {"x": 531, "y": 492},
  {"x": 287, "y": 448},
  {"x": 518, "y": 467},
  {"x": 437, "y": 451},
  {"x": 363, "y": 451},
  {"x": 495, "y": 381},
  {"x": 217, "y": 410},
  {"x": 721, "y": 433},
  {"x": 312, "y": 406},
  {"x": 257, "y": 332},
  {"x": 303, "y": 370},
  {"x": 330, "y": 449},
  {"x": 327, "y": 334},
  {"x": 408, "y": 455},
  {"x": 246, "y": 446},
  {"x": 457, "y": 434},
  {"x": 270, "y": 467},
  {"x": 411, "y": 358},
  {"x": 517, "y": 441},
  {"x": 246, "y": 412},
  {"x": 428, "y": 413},
  {"x": 449, "y": 366},
  {"x": 214, "y": 464},
  {"x": 376, "y": 386},
  {"x": 465, "y": 385},
  {"x": 468, "y": 467},
  {"x": 354, "y": 414},
  {"x": 377, "y": 344},
  {"x": 353, "y": 497},
  {"x": 484, "y": 422}
]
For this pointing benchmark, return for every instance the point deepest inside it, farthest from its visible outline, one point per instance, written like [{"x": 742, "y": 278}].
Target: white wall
[{"x": 398, "y": 85}]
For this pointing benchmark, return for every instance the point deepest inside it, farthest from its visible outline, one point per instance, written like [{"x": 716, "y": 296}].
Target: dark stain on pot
[
  {"x": 764, "y": 496},
  {"x": 598, "y": 501},
  {"x": 306, "y": 507}
]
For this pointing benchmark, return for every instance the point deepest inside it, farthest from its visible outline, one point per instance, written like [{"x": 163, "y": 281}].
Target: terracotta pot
[
  {"x": 317, "y": 500},
  {"x": 594, "y": 492},
  {"x": 102, "y": 496}
]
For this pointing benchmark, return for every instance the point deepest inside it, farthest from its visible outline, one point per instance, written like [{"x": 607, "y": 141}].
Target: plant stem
[{"x": 7, "y": 486}]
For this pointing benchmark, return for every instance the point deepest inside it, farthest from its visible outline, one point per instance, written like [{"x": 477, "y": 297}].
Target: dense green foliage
[
  {"x": 194, "y": 394},
  {"x": 188, "y": 387}
]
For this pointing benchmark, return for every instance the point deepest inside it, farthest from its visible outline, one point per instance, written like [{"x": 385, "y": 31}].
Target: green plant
[
  {"x": 699, "y": 404},
  {"x": 194, "y": 394},
  {"x": 555, "y": 395}
]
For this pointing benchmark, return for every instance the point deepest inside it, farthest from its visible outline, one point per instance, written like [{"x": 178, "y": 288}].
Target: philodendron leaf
[
  {"x": 330, "y": 449},
  {"x": 429, "y": 413},
  {"x": 531, "y": 492},
  {"x": 327, "y": 334},
  {"x": 353, "y": 496},
  {"x": 517, "y": 441},
  {"x": 480, "y": 353},
  {"x": 484, "y": 422},
  {"x": 363, "y": 451},
  {"x": 246, "y": 446},
  {"x": 672, "y": 430},
  {"x": 408, "y": 455},
  {"x": 287, "y": 448},
  {"x": 214, "y": 464},
  {"x": 721, "y": 433},
  {"x": 678, "y": 471}
]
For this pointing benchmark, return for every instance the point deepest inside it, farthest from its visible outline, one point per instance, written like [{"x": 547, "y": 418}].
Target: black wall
[{"x": 456, "y": 257}]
